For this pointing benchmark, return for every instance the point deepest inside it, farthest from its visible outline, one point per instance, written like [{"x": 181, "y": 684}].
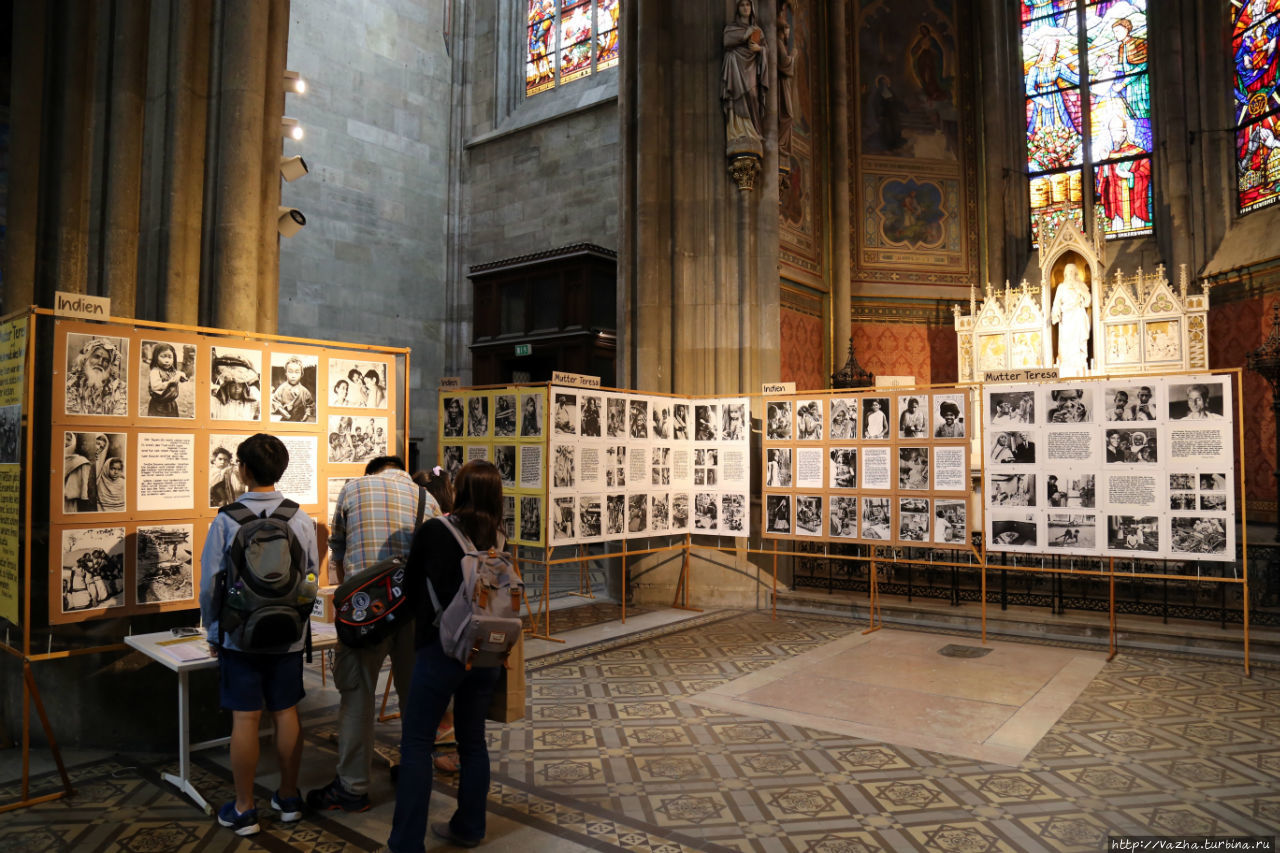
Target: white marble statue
[{"x": 1071, "y": 313}]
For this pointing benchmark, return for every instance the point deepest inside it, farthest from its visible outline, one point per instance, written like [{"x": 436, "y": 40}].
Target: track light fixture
[
  {"x": 294, "y": 84},
  {"x": 290, "y": 222},
  {"x": 291, "y": 128},
  {"x": 292, "y": 168}
]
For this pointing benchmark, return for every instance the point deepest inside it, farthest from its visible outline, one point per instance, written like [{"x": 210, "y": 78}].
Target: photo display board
[
  {"x": 886, "y": 466},
  {"x": 149, "y": 421},
  {"x": 508, "y": 427},
  {"x": 1140, "y": 468}
]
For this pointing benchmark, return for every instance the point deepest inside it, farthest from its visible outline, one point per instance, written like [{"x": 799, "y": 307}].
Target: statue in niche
[
  {"x": 786, "y": 88},
  {"x": 743, "y": 81},
  {"x": 1070, "y": 312}
]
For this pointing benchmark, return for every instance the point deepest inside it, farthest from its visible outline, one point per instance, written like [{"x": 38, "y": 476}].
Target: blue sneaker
[
  {"x": 245, "y": 823},
  {"x": 290, "y": 808}
]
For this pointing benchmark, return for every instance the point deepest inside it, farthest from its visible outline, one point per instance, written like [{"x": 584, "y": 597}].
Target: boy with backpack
[{"x": 258, "y": 580}]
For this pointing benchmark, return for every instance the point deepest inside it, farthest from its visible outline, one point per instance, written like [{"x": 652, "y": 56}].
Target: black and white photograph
[
  {"x": 356, "y": 438},
  {"x": 1212, "y": 482},
  {"x": 97, "y": 377},
  {"x": 637, "y": 514},
  {"x": 844, "y": 467},
  {"x": 680, "y": 421},
  {"x": 225, "y": 485},
  {"x": 734, "y": 426},
  {"x": 733, "y": 515},
  {"x": 564, "y": 419},
  {"x": 659, "y": 512},
  {"x": 809, "y": 515},
  {"x": 1204, "y": 536},
  {"x": 615, "y": 414},
  {"x": 913, "y": 519},
  {"x": 1070, "y": 489},
  {"x": 615, "y": 461},
  {"x": 562, "y": 467},
  {"x": 1183, "y": 481},
  {"x": 875, "y": 418},
  {"x": 777, "y": 471},
  {"x": 235, "y": 384},
  {"x": 478, "y": 416},
  {"x": 949, "y": 415},
  {"x": 532, "y": 415},
  {"x": 357, "y": 384},
  {"x": 10, "y": 434},
  {"x": 777, "y": 513},
  {"x": 679, "y": 511},
  {"x": 591, "y": 416},
  {"x": 950, "y": 526},
  {"x": 562, "y": 520},
  {"x": 778, "y": 420},
  {"x": 660, "y": 410},
  {"x": 455, "y": 420},
  {"x": 504, "y": 458},
  {"x": 877, "y": 518},
  {"x": 615, "y": 514},
  {"x": 531, "y": 518},
  {"x": 1197, "y": 401},
  {"x": 293, "y": 388},
  {"x": 1070, "y": 405},
  {"x": 1011, "y": 448},
  {"x": 706, "y": 463},
  {"x": 92, "y": 569},
  {"x": 168, "y": 372},
  {"x": 706, "y": 422},
  {"x": 660, "y": 465},
  {"x": 843, "y": 523},
  {"x": 1136, "y": 533},
  {"x": 1132, "y": 446},
  {"x": 165, "y": 563},
  {"x": 1069, "y": 531},
  {"x": 1013, "y": 407},
  {"x": 1011, "y": 489},
  {"x": 1213, "y": 502},
  {"x": 509, "y": 516},
  {"x": 1129, "y": 403},
  {"x": 809, "y": 420},
  {"x": 1182, "y": 501},
  {"x": 706, "y": 512},
  {"x": 94, "y": 472},
  {"x": 913, "y": 416},
  {"x": 638, "y": 418},
  {"x": 843, "y": 418},
  {"x": 589, "y": 516},
  {"x": 453, "y": 457},
  {"x": 504, "y": 415},
  {"x": 913, "y": 468},
  {"x": 1014, "y": 531}
]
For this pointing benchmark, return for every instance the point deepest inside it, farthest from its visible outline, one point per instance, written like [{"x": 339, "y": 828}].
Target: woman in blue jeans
[{"x": 437, "y": 678}]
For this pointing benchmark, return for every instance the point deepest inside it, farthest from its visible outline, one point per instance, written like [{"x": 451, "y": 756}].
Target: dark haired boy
[{"x": 250, "y": 680}]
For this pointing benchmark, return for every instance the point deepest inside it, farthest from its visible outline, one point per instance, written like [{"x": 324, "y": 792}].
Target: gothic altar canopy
[{"x": 1081, "y": 324}]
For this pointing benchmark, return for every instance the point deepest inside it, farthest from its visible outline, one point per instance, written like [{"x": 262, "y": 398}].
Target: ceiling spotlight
[
  {"x": 291, "y": 128},
  {"x": 292, "y": 168},
  {"x": 290, "y": 222},
  {"x": 294, "y": 83}
]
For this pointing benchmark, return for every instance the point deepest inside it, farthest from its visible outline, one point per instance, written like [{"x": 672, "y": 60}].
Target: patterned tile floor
[{"x": 614, "y": 757}]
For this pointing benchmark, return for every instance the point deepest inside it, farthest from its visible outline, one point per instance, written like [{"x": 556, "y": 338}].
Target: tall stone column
[{"x": 839, "y": 44}]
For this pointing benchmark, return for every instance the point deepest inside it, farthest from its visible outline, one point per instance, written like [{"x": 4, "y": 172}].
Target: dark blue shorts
[{"x": 247, "y": 680}]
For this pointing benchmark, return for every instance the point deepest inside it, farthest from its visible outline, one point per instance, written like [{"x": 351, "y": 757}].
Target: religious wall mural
[{"x": 799, "y": 194}]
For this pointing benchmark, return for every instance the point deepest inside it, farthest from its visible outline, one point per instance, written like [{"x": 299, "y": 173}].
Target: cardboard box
[{"x": 322, "y": 610}]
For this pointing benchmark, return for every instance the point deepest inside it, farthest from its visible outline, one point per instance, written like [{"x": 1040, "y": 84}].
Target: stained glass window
[
  {"x": 1255, "y": 30},
  {"x": 568, "y": 39},
  {"x": 1088, "y": 111}
]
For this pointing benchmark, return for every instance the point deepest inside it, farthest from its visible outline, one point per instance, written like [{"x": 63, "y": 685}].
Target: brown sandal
[{"x": 446, "y": 762}]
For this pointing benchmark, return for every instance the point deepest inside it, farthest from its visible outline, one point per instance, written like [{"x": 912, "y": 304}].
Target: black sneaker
[
  {"x": 444, "y": 831},
  {"x": 334, "y": 796},
  {"x": 290, "y": 808},
  {"x": 242, "y": 823}
]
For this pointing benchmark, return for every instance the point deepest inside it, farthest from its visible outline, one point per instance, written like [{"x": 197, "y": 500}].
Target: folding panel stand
[
  {"x": 584, "y": 575},
  {"x": 681, "y": 599},
  {"x": 873, "y": 606}
]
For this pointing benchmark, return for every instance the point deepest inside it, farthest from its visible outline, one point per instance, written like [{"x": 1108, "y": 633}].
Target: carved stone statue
[
  {"x": 786, "y": 87},
  {"x": 744, "y": 81},
  {"x": 1070, "y": 312}
]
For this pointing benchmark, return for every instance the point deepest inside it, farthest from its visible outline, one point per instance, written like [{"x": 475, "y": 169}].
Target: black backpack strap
[
  {"x": 422, "y": 506},
  {"x": 239, "y": 512},
  {"x": 287, "y": 510},
  {"x": 307, "y": 628}
]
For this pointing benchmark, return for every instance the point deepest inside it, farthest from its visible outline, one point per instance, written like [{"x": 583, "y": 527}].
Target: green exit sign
[{"x": 524, "y": 349}]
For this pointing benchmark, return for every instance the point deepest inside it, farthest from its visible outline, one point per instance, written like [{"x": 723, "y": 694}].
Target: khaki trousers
[{"x": 355, "y": 674}]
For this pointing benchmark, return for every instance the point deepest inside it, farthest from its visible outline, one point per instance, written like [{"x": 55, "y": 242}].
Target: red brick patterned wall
[
  {"x": 802, "y": 336},
  {"x": 1236, "y": 329},
  {"x": 894, "y": 349}
]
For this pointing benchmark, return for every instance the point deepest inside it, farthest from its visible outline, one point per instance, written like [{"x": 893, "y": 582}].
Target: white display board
[{"x": 1139, "y": 468}]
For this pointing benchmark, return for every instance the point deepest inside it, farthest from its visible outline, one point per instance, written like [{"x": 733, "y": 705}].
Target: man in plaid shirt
[{"x": 374, "y": 520}]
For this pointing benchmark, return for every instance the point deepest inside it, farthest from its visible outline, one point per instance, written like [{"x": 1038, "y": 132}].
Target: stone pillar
[
  {"x": 66, "y": 163},
  {"x": 839, "y": 44},
  {"x": 26, "y": 119}
]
